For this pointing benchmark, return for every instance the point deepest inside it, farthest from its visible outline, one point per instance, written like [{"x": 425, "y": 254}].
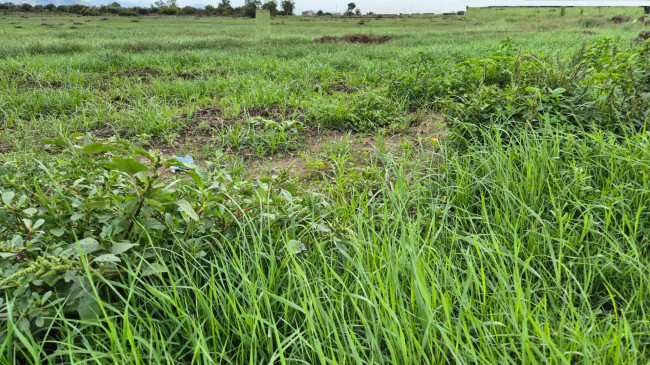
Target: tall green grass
[
  {"x": 532, "y": 251},
  {"x": 526, "y": 245}
]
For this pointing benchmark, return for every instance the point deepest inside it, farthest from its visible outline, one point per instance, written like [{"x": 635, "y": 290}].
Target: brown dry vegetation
[{"x": 355, "y": 38}]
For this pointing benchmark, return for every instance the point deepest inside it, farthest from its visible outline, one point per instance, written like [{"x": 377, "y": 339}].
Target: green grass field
[{"x": 473, "y": 189}]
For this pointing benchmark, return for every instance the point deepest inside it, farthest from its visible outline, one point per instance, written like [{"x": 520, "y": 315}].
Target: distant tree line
[{"x": 160, "y": 7}]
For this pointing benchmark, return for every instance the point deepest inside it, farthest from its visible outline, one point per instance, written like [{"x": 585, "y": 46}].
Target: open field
[{"x": 456, "y": 190}]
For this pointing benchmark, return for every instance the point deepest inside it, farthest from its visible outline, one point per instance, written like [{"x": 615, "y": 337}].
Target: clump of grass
[{"x": 590, "y": 22}]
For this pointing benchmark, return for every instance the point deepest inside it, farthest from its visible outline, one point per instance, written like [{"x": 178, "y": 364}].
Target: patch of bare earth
[
  {"x": 362, "y": 146},
  {"x": 355, "y": 38},
  {"x": 619, "y": 19},
  {"x": 206, "y": 124}
]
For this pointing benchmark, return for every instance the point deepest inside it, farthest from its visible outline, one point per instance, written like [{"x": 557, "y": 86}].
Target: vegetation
[
  {"x": 470, "y": 189},
  {"x": 160, "y": 7}
]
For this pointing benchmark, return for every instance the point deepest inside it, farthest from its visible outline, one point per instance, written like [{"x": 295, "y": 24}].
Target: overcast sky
[{"x": 424, "y": 6}]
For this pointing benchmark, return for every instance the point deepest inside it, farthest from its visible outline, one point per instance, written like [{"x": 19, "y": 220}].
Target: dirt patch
[
  {"x": 103, "y": 132},
  {"x": 18, "y": 27},
  {"x": 5, "y": 147},
  {"x": 323, "y": 39},
  {"x": 644, "y": 35},
  {"x": 342, "y": 87},
  {"x": 103, "y": 19},
  {"x": 641, "y": 19},
  {"x": 355, "y": 38},
  {"x": 46, "y": 25},
  {"x": 274, "y": 113},
  {"x": 647, "y": 23},
  {"x": 316, "y": 142},
  {"x": 187, "y": 75},
  {"x": 212, "y": 118},
  {"x": 139, "y": 72},
  {"x": 619, "y": 19},
  {"x": 77, "y": 23},
  {"x": 307, "y": 163},
  {"x": 589, "y": 32}
]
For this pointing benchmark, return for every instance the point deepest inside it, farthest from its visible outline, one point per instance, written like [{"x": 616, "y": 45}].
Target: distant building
[{"x": 308, "y": 13}]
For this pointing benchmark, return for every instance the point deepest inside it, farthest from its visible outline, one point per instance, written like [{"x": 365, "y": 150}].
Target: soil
[
  {"x": 207, "y": 122},
  {"x": 618, "y": 19},
  {"x": 355, "y": 38}
]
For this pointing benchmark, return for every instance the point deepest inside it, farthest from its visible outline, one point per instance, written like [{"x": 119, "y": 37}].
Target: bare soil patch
[
  {"x": 362, "y": 146},
  {"x": 205, "y": 125},
  {"x": 619, "y": 19},
  {"x": 141, "y": 73},
  {"x": 355, "y": 38},
  {"x": 188, "y": 75},
  {"x": 342, "y": 87}
]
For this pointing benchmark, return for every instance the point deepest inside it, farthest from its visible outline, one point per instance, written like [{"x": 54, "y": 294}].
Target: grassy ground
[{"x": 473, "y": 190}]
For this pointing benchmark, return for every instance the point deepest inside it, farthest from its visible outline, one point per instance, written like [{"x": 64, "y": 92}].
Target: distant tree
[
  {"x": 224, "y": 8},
  {"x": 168, "y": 10},
  {"x": 249, "y": 8},
  {"x": 319, "y": 13},
  {"x": 50, "y": 7},
  {"x": 188, "y": 10},
  {"x": 166, "y": 7},
  {"x": 26, "y": 7},
  {"x": 115, "y": 4},
  {"x": 351, "y": 7},
  {"x": 287, "y": 7},
  {"x": 271, "y": 6},
  {"x": 210, "y": 9},
  {"x": 358, "y": 11},
  {"x": 141, "y": 11}
]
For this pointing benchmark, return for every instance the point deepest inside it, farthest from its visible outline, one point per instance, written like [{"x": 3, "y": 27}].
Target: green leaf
[
  {"x": 154, "y": 268},
  {"x": 7, "y": 197},
  {"x": 88, "y": 245},
  {"x": 38, "y": 223},
  {"x": 95, "y": 148},
  {"x": 88, "y": 308},
  {"x": 57, "y": 232},
  {"x": 128, "y": 165},
  {"x": 143, "y": 153},
  {"x": 108, "y": 257},
  {"x": 196, "y": 178},
  {"x": 57, "y": 141},
  {"x": 40, "y": 321},
  {"x": 185, "y": 207},
  {"x": 153, "y": 224},
  {"x": 121, "y": 247},
  {"x": 30, "y": 211}
]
